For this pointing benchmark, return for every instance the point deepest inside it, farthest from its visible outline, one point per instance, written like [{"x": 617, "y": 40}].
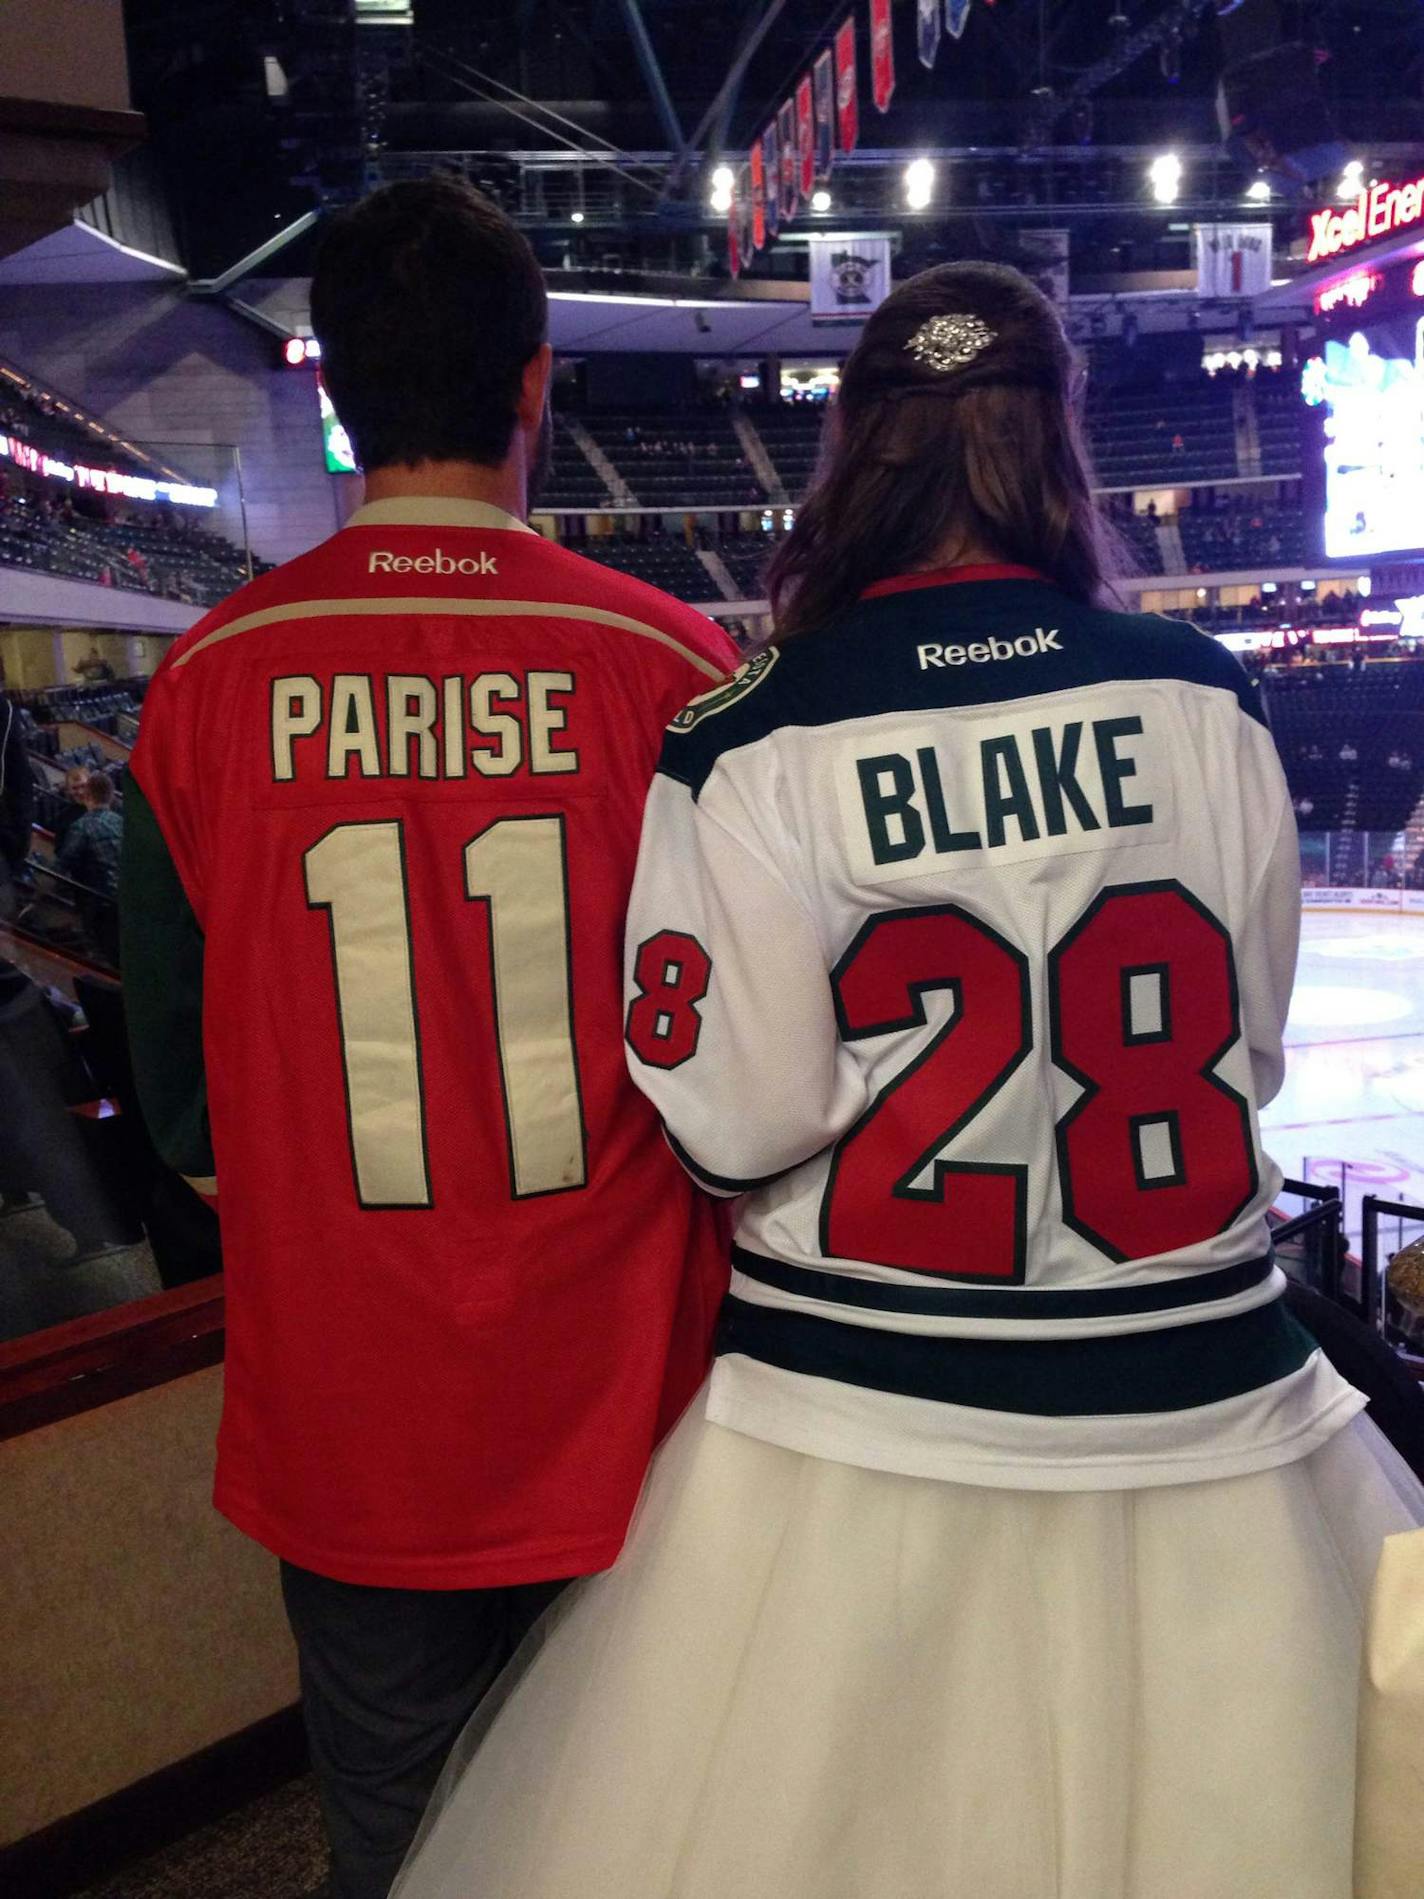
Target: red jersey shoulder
[
  {"x": 605, "y": 587},
  {"x": 273, "y": 589}
]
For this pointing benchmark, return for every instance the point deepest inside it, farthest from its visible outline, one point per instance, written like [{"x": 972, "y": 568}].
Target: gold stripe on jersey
[{"x": 466, "y": 609}]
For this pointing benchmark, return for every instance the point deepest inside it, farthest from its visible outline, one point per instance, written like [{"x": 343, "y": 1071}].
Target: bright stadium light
[
  {"x": 820, "y": 200},
  {"x": 919, "y": 183},
  {"x": 576, "y": 217},
  {"x": 1352, "y": 181},
  {"x": 1259, "y": 192},
  {"x": 1166, "y": 178},
  {"x": 723, "y": 183},
  {"x": 295, "y": 351}
]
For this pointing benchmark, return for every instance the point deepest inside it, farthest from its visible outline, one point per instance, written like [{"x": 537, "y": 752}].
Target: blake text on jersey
[{"x": 1015, "y": 786}]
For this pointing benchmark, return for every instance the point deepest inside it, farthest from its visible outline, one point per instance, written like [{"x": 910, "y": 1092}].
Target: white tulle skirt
[{"x": 806, "y": 1680}]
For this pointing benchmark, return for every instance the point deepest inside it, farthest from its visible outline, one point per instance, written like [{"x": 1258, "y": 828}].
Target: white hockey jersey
[{"x": 961, "y": 944}]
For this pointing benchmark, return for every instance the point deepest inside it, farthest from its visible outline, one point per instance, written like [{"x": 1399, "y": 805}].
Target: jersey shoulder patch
[{"x": 745, "y": 679}]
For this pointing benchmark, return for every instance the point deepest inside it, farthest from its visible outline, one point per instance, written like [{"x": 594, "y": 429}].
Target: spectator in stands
[
  {"x": 1348, "y": 754},
  {"x": 76, "y": 780},
  {"x": 1304, "y": 806},
  {"x": 17, "y": 806},
  {"x": 90, "y": 855},
  {"x": 41, "y": 1151},
  {"x": 94, "y": 669}
]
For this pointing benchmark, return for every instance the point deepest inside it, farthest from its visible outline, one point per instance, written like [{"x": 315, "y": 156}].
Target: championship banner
[
  {"x": 742, "y": 205},
  {"x": 734, "y": 236},
  {"x": 805, "y": 137},
  {"x": 928, "y": 31},
  {"x": 758, "y": 183},
  {"x": 956, "y": 17},
  {"x": 1233, "y": 260},
  {"x": 790, "y": 163},
  {"x": 849, "y": 277},
  {"x": 847, "y": 99},
  {"x": 771, "y": 164},
  {"x": 882, "y": 55},
  {"x": 823, "y": 90}
]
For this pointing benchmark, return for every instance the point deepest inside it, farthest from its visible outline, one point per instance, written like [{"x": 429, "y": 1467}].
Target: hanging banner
[
  {"x": 847, "y": 101},
  {"x": 823, "y": 89},
  {"x": 758, "y": 185},
  {"x": 742, "y": 204},
  {"x": 882, "y": 55},
  {"x": 1043, "y": 259},
  {"x": 1233, "y": 260},
  {"x": 805, "y": 137},
  {"x": 734, "y": 236},
  {"x": 771, "y": 164},
  {"x": 928, "y": 31},
  {"x": 849, "y": 277},
  {"x": 956, "y": 17},
  {"x": 790, "y": 163}
]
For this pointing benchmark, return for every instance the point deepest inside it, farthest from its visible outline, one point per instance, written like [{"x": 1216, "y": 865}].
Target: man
[
  {"x": 382, "y": 822},
  {"x": 72, "y": 810},
  {"x": 90, "y": 855},
  {"x": 91, "y": 846}
]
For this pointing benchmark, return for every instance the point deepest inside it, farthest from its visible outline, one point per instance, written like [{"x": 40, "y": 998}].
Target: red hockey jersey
[{"x": 382, "y": 825}]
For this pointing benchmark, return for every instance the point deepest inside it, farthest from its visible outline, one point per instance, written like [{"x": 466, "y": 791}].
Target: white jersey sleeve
[{"x": 706, "y": 900}]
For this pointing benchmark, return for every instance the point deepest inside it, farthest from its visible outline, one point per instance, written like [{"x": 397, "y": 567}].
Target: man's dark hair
[{"x": 427, "y": 303}]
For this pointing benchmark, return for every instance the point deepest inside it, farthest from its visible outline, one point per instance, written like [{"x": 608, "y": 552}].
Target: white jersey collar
[{"x": 435, "y": 511}]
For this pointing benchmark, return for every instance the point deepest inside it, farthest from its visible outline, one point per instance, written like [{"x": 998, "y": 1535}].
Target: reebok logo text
[
  {"x": 1026, "y": 646},
  {"x": 382, "y": 561}
]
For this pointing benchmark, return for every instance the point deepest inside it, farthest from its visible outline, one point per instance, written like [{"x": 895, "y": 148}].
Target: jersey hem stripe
[
  {"x": 459, "y": 608},
  {"x": 1123, "y": 1374},
  {"x": 1010, "y": 1302}
]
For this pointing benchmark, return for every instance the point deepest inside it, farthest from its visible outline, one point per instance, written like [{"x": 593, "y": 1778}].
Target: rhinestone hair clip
[{"x": 943, "y": 343}]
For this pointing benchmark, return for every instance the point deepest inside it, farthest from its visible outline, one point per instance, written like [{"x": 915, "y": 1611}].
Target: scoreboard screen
[
  {"x": 1365, "y": 454},
  {"x": 340, "y": 456}
]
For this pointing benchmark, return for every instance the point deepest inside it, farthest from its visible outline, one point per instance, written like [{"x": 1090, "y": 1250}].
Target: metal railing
[{"x": 1310, "y": 1246}]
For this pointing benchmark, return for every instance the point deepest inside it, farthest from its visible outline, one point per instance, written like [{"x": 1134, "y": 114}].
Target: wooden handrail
[{"x": 68, "y": 1369}]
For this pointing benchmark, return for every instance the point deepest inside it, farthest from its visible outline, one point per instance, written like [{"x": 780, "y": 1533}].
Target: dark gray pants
[{"x": 389, "y": 1678}]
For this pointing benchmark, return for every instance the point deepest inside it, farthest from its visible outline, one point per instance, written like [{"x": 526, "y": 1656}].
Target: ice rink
[{"x": 1351, "y": 1112}]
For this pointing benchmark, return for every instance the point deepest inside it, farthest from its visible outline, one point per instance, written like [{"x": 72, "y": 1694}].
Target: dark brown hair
[
  {"x": 919, "y": 463},
  {"x": 427, "y": 302}
]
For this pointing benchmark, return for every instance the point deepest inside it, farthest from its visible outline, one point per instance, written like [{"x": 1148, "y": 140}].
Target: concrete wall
[
  {"x": 66, "y": 52},
  {"x": 169, "y": 369},
  {"x": 32, "y": 657},
  {"x": 138, "y": 1625}
]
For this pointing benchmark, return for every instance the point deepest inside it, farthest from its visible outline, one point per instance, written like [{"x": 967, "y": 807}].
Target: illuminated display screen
[
  {"x": 340, "y": 457},
  {"x": 1367, "y": 389}
]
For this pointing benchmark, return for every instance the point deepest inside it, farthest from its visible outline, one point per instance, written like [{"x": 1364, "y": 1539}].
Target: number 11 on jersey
[{"x": 518, "y": 870}]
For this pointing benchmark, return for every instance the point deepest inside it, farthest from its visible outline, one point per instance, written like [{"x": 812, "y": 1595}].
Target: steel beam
[{"x": 652, "y": 72}]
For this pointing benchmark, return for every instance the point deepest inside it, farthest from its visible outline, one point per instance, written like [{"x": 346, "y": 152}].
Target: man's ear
[{"x": 534, "y": 387}]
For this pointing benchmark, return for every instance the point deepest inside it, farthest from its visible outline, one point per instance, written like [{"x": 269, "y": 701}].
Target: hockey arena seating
[
  {"x": 668, "y": 460},
  {"x": 1166, "y": 438},
  {"x": 573, "y": 481},
  {"x": 792, "y": 435},
  {"x": 1376, "y": 711},
  {"x": 142, "y": 554},
  {"x": 1235, "y": 535},
  {"x": 662, "y": 559}
]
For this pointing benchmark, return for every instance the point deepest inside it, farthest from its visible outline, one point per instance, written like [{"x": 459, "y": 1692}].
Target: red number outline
[
  {"x": 1092, "y": 1089},
  {"x": 944, "y": 1170}
]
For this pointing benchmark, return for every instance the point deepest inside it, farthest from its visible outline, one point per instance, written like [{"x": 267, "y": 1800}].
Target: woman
[{"x": 1019, "y": 1546}]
